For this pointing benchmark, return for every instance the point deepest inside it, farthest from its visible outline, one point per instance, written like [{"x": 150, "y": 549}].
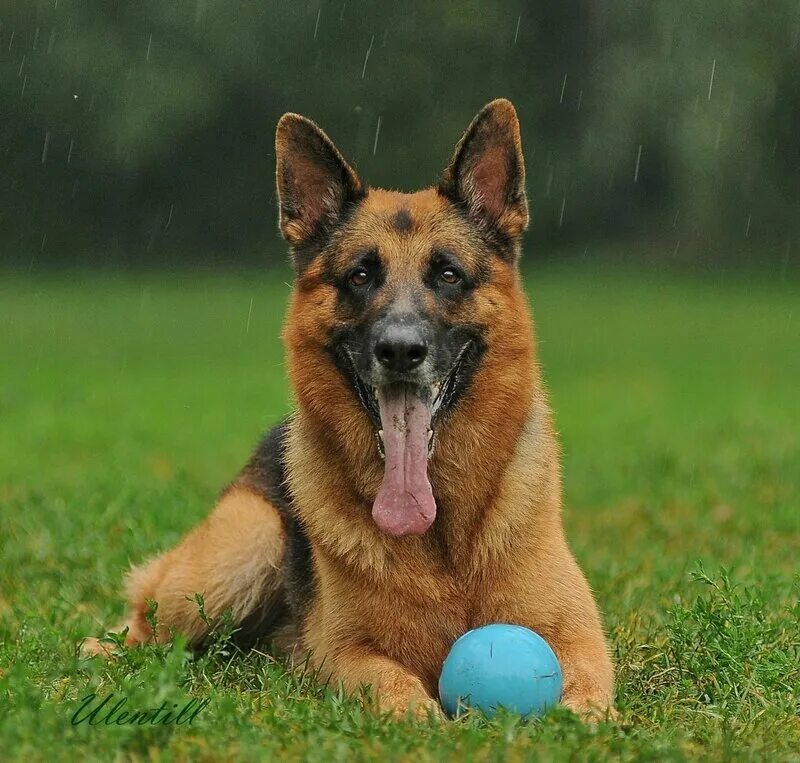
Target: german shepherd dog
[{"x": 415, "y": 493}]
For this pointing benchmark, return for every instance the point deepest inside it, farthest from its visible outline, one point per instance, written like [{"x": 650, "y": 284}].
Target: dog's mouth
[
  {"x": 431, "y": 397},
  {"x": 406, "y": 416}
]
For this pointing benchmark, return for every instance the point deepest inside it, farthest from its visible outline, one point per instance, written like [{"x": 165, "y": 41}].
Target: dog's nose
[{"x": 401, "y": 348}]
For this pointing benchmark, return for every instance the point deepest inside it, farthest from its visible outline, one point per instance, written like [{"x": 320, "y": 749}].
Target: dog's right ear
[
  {"x": 487, "y": 172},
  {"x": 315, "y": 184}
]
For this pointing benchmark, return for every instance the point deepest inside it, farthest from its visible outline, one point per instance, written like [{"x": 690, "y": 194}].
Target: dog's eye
[
  {"x": 450, "y": 275},
  {"x": 359, "y": 277}
]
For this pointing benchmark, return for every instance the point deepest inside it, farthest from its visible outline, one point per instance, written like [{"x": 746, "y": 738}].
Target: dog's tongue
[{"x": 405, "y": 504}]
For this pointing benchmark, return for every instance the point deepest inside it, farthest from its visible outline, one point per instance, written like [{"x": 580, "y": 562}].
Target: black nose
[{"x": 401, "y": 348}]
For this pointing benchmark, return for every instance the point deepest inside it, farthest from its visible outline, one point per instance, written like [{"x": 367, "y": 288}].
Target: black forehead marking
[{"x": 402, "y": 221}]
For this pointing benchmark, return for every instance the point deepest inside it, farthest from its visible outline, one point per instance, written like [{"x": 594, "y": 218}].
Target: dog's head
[{"x": 399, "y": 298}]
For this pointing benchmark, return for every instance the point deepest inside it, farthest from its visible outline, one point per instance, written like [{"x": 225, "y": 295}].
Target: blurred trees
[{"x": 143, "y": 129}]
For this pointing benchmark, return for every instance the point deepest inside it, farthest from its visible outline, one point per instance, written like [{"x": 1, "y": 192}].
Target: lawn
[{"x": 126, "y": 402}]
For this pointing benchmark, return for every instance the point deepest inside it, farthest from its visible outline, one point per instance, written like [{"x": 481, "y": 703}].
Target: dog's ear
[
  {"x": 487, "y": 171},
  {"x": 315, "y": 184}
]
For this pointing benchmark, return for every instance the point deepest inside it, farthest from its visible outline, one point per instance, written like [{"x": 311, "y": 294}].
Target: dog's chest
[{"x": 418, "y": 625}]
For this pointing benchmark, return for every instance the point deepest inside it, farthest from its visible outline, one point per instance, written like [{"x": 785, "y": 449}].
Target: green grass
[{"x": 126, "y": 403}]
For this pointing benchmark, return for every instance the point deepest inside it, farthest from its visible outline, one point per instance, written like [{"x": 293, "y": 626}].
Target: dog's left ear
[
  {"x": 315, "y": 183},
  {"x": 487, "y": 171}
]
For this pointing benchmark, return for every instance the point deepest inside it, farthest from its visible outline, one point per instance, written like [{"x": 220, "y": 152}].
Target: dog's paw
[
  {"x": 591, "y": 710},
  {"x": 426, "y": 709},
  {"x": 415, "y": 708},
  {"x": 94, "y": 647}
]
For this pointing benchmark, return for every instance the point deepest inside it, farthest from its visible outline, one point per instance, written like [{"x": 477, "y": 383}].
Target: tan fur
[
  {"x": 497, "y": 552},
  {"x": 386, "y": 610},
  {"x": 233, "y": 559}
]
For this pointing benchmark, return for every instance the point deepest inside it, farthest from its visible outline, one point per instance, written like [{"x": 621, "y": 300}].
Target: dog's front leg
[
  {"x": 573, "y": 630},
  {"x": 550, "y": 595},
  {"x": 395, "y": 688},
  {"x": 588, "y": 676}
]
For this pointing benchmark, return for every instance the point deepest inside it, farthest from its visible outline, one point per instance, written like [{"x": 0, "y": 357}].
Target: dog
[{"x": 415, "y": 492}]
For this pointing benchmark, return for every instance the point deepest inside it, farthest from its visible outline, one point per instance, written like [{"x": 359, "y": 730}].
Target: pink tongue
[{"x": 405, "y": 504}]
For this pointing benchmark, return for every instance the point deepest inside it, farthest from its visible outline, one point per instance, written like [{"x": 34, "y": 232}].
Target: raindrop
[
  {"x": 638, "y": 162},
  {"x": 149, "y": 47},
  {"x": 516, "y": 32},
  {"x": 377, "y": 132},
  {"x": 561, "y": 214},
  {"x": 316, "y": 26},
  {"x": 366, "y": 57},
  {"x": 711, "y": 80},
  {"x": 249, "y": 315},
  {"x": 563, "y": 88},
  {"x": 46, "y": 146}
]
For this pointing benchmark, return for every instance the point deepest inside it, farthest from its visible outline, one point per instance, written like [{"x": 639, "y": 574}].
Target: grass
[{"x": 126, "y": 403}]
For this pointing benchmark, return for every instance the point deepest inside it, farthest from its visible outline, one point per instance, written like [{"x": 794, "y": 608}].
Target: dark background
[{"x": 141, "y": 132}]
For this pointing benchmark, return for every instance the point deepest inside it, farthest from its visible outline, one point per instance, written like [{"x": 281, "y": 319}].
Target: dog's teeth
[
  {"x": 430, "y": 436},
  {"x": 380, "y": 434}
]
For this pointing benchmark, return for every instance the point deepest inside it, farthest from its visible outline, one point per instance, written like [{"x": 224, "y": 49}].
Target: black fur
[
  {"x": 402, "y": 221},
  {"x": 265, "y": 473},
  {"x": 303, "y": 254},
  {"x": 458, "y": 381}
]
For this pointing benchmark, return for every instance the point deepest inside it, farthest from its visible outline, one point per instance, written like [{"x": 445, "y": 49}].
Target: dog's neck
[{"x": 480, "y": 440}]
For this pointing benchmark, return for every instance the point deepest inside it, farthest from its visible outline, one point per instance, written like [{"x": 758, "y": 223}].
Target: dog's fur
[{"x": 291, "y": 549}]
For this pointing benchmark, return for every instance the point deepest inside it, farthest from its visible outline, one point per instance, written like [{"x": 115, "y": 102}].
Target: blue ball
[{"x": 498, "y": 666}]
